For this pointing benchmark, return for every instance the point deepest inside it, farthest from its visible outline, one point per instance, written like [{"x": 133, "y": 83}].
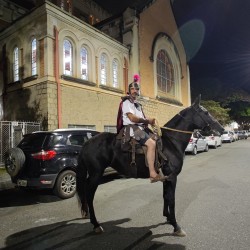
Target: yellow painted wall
[{"x": 153, "y": 20}]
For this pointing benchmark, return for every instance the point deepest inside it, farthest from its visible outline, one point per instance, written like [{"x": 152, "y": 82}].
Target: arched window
[
  {"x": 33, "y": 57},
  {"x": 103, "y": 65},
  {"x": 16, "y": 64},
  {"x": 115, "y": 73},
  {"x": 67, "y": 57},
  {"x": 165, "y": 73},
  {"x": 84, "y": 63}
]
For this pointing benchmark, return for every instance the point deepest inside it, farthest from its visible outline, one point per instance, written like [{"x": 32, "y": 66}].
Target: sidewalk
[{"x": 5, "y": 182}]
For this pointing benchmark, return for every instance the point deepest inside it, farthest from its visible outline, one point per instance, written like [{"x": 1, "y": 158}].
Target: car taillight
[
  {"x": 191, "y": 140},
  {"x": 44, "y": 155}
]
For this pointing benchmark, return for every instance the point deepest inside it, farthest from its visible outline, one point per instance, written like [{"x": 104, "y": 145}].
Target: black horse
[{"x": 104, "y": 150}]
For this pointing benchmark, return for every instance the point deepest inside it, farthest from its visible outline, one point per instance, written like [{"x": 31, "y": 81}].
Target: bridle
[{"x": 186, "y": 131}]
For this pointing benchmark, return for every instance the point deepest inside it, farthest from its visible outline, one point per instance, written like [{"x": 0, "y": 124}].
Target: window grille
[
  {"x": 93, "y": 127},
  {"x": 165, "y": 73},
  {"x": 110, "y": 128}
]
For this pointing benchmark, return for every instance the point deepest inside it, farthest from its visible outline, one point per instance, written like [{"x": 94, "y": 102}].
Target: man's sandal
[{"x": 158, "y": 178}]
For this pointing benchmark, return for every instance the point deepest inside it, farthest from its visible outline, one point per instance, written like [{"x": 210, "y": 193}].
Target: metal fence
[{"x": 11, "y": 133}]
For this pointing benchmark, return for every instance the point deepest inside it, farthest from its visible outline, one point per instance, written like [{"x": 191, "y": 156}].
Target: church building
[{"x": 67, "y": 63}]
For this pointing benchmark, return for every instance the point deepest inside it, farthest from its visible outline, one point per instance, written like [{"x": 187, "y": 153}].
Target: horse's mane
[{"x": 175, "y": 120}]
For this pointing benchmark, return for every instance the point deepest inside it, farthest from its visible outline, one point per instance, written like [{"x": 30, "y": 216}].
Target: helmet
[{"x": 134, "y": 84}]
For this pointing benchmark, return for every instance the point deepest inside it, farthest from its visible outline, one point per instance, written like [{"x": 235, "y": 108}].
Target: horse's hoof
[
  {"x": 98, "y": 230},
  {"x": 179, "y": 233}
]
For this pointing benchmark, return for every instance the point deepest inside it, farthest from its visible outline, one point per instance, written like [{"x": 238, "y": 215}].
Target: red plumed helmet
[{"x": 135, "y": 83}]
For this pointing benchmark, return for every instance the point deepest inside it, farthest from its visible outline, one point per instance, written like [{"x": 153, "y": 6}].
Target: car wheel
[
  {"x": 206, "y": 148},
  {"x": 194, "y": 152},
  {"x": 65, "y": 186},
  {"x": 215, "y": 145},
  {"x": 14, "y": 161}
]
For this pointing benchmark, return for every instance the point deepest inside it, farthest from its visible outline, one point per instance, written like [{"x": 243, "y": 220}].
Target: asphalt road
[{"x": 212, "y": 206}]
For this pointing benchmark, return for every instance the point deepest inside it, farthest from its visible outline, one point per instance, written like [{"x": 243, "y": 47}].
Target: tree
[
  {"x": 218, "y": 112},
  {"x": 239, "y": 105}
]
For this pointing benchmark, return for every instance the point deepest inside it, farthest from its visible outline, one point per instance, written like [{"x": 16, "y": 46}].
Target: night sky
[{"x": 216, "y": 37}]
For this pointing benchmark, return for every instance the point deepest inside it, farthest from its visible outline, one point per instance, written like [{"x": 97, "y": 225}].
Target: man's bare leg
[{"x": 154, "y": 177}]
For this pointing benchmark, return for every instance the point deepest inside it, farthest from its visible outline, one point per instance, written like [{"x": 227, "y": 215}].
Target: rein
[
  {"x": 188, "y": 132},
  {"x": 157, "y": 128},
  {"x": 177, "y": 130}
]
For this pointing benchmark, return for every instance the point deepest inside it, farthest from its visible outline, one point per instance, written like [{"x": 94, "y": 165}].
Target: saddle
[{"x": 130, "y": 145}]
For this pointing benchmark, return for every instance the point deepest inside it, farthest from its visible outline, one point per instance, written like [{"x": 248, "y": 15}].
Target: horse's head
[{"x": 203, "y": 119}]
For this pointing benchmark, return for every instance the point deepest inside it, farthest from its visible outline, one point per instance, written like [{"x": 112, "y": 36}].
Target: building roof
[
  {"x": 113, "y": 7},
  {"x": 110, "y": 5}
]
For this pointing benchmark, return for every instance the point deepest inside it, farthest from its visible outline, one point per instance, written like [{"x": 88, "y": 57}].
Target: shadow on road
[
  {"x": 76, "y": 234},
  {"x": 17, "y": 197},
  {"x": 20, "y": 197}
]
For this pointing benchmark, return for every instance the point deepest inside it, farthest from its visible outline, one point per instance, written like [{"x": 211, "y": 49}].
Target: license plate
[{"x": 22, "y": 183}]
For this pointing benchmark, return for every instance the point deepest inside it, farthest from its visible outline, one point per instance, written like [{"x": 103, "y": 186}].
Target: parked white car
[
  {"x": 197, "y": 143},
  {"x": 213, "y": 139},
  {"x": 242, "y": 135},
  {"x": 227, "y": 136},
  {"x": 235, "y": 136}
]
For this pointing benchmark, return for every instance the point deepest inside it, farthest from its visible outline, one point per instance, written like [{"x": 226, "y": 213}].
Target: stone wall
[{"x": 82, "y": 106}]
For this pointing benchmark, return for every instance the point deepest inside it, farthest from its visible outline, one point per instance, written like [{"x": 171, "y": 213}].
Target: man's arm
[{"x": 136, "y": 119}]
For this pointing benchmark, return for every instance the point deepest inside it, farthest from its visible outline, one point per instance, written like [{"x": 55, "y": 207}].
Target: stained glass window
[
  {"x": 16, "y": 64},
  {"x": 67, "y": 57},
  {"x": 33, "y": 57},
  {"x": 103, "y": 64},
  {"x": 84, "y": 64},
  {"x": 115, "y": 73}
]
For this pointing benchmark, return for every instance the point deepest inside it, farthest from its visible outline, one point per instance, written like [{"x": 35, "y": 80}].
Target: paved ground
[{"x": 5, "y": 181}]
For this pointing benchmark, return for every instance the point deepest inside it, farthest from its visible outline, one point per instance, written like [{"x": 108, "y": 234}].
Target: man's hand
[{"x": 151, "y": 121}]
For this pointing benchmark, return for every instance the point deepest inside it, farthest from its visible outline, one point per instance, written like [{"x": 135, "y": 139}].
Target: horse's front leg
[
  {"x": 92, "y": 184},
  {"x": 169, "y": 206}
]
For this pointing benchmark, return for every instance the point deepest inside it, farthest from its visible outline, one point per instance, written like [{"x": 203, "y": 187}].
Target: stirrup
[{"x": 158, "y": 178}]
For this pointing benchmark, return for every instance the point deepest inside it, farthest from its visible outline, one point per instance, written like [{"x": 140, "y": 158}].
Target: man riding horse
[
  {"x": 131, "y": 113},
  {"x": 105, "y": 150}
]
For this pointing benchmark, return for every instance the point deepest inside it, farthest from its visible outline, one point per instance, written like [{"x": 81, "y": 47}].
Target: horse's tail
[{"x": 81, "y": 177}]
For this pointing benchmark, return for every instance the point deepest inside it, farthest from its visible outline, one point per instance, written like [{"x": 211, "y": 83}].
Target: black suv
[{"x": 48, "y": 160}]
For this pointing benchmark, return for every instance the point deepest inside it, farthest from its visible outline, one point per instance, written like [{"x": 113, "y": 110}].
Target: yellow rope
[
  {"x": 156, "y": 128},
  {"x": 177, "y": 130}
]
